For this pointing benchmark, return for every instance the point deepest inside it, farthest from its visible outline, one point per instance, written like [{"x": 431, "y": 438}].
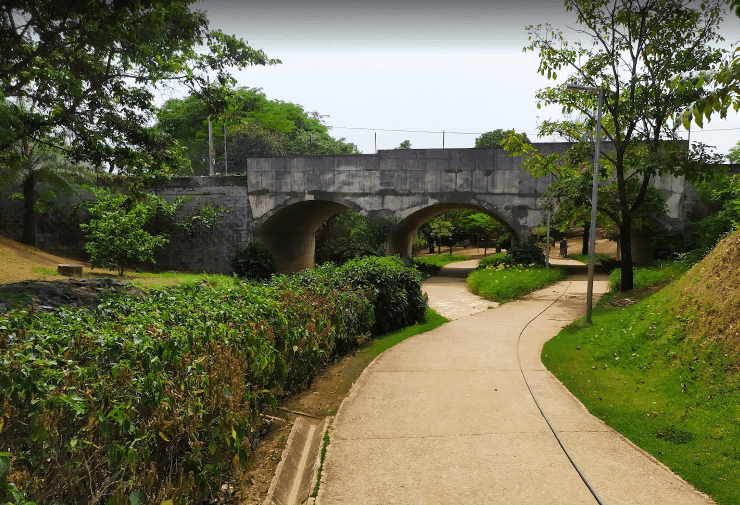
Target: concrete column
[{"x": 293, "y": 251}]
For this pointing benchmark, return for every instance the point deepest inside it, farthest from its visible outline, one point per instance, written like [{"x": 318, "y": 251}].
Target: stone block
[{"x": 69, "y": 270}]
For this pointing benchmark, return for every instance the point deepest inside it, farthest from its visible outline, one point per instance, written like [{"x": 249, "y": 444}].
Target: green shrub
[
  {"x": 525, "y": 255},
  {"x": 396, "y": 289},
  {"x": 427, "y": 269},
  {"x": 162, "y": 392},
  {"x": 492, "y": 260},
  {"x": 254, "y": 262},
  {"x": 397, "y": 295}
]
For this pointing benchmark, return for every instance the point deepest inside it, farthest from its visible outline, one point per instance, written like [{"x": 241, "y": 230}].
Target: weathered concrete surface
[
  {"x": 283, "y": 201},
  {"x": 295, "y": 475},
  {"x": 449, "y": 296},
  {"x": 446, "y": 417}
]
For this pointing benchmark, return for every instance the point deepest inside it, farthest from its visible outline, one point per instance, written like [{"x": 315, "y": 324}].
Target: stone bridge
[{"x": 283, "y": 201}]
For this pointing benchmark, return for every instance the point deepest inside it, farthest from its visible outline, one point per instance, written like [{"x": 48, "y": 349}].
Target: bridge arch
[
  {"x": 399, "y": 241},
  {"x": 289, "y": 232}
]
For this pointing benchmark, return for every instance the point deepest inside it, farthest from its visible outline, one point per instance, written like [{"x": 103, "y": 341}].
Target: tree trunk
[
  {"x": 586, "y": 237},
  {"x": 29, "y": 209},
  {"x": 625, "y": 242}
]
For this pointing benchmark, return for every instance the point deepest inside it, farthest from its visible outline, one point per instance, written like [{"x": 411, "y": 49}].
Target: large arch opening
[
  {"x": 399, "y": 241},
  {"x": 290, "y": 233}
]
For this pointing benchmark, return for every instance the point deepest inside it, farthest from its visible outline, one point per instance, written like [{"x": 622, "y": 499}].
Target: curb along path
[{"x": 446, "y": 417}]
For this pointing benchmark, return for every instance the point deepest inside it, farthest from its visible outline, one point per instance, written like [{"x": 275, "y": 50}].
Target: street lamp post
[{"x": 599, "y": 91}]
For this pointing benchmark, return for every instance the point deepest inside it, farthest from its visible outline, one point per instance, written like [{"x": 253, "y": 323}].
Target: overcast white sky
[{"x": 428, "y": 65}]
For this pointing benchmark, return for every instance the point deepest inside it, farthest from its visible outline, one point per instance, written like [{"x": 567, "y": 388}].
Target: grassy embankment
[{"x": 664, "y": 371}]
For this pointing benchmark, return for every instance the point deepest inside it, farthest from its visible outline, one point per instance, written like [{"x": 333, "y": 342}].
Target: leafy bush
[
  {"x": 396, "y": 289},
  {"x": 116, "y": 235},
  {"x": 397, "y": 295},
  {"x": 668, "y": 244},
  {"x": 254, "y": 262},
  {"x": 525, "y": 255},
  {"x": 493, "y": 260},
  {"x": 157, "y": 398}
]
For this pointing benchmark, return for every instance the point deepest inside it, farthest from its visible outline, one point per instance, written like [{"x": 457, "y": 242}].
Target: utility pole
[
  {"x": 211, "y": 152},
  {"x": 226, "y": 164}
]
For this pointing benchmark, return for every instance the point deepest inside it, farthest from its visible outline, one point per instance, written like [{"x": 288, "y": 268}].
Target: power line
[
  {"x": 479, "y": 133},
  {"x": 401, "y": 130}
]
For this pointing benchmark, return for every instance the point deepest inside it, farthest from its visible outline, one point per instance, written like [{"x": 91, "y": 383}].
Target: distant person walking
[{"x": 563, "y": 248}]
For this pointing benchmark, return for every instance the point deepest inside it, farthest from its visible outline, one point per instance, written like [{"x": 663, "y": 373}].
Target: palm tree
[{"x": 34, "y": 163}]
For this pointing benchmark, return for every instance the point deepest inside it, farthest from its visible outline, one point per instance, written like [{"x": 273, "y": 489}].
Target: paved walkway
[{"x": 446, "y": 418}]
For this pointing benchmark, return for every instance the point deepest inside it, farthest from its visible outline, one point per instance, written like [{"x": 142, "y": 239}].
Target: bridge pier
[
  {"x": 290, "y": 233},
  {"x": 292, "y": 251}
]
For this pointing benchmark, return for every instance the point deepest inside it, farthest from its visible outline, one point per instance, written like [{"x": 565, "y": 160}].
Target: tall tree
[
  {"x": 36, "y": 163},
  {"x": 30, "y": 163},
  {"x": 494, "y": 139},
  {"x": 255, "y": 127},
  {"x": 632, "y": 49},
  {"x": 91, "y": 68},
  {"x": 722, "y": 82},
  {"x": 733, "y": 156}
]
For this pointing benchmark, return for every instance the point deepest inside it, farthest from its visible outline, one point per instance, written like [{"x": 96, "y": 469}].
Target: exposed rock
[{"x": 50, "y": 295}]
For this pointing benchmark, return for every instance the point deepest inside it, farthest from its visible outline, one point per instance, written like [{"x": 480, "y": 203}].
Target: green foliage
[
  {"x": 254, "y": 262},
  {"x": 116, "y": 234},
  {"x": 492, "y": 260},
  {"x": 34, "y": 163},
  {"x": 395, "y": 288},
  {"x": 664, "y": 40},
  {"x": 494, "y": 139},
  {"x": 723, "y": 195},
  {"x": 349, "y": 235},
  {"x": 503, "y": 283},
  {"x": 255, "y": 127},
  {"x": 733, "y": 155},
  {"x": 90, "y": 70},
  {"x": 650, "y": 276},
  {"x": 162, "y": 393},
  {"x": 525, "y": 255},
  {"x": 459, "y": 224},
  {"x": 406, "y": 144}
]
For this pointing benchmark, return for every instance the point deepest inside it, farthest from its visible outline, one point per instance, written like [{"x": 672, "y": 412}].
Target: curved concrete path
[
  {"x": 449, "y": 295},
  {"x": 446, "y": 418}
]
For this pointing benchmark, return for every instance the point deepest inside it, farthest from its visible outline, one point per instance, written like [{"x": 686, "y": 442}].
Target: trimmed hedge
[
  {"x": 525, "y": 255},
  {"x": 157, "y": 398},
  {"x": 396, "y": 289}
]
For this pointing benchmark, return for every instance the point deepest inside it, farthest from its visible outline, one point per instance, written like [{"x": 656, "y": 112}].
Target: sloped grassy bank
[
  {"x": 664, "y": 372},
  {"x": 156, "y": 398}
]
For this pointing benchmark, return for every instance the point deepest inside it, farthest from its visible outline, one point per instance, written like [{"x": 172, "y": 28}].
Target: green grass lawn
[
  {"x": 641, "y": 370},
  {"x": 583, "y": 258},
  {"x": 654, "y": 275},
  {"x": 145, "y": 279},
  {"x": 440, "y": 260},
  {"x": 502, "y": 284}
]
